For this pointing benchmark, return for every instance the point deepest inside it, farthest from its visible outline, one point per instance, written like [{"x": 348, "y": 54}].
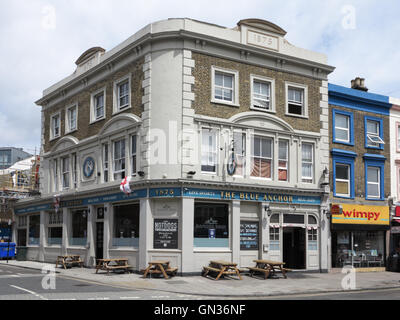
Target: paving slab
[{"x": 296, "y": 283}]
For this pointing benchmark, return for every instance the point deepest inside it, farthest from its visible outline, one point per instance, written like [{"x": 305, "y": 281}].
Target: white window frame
[
  {"x": 243, "y": 157},
  {"x": 271, "y": 83},
  {"x": 52, "y": 128},
  {"x": 65, "y": 172},
  {"x": 106, "y": 162},
  {"x": 208, "y": 151},
  {"x": 286, "y": 160},
  {"x": 68, "y": 128},
  {"x": 93, "y": 117},
  {"x": 235, "y": 93},
  {"x": 305, "y": 99},
  {"x": 116, "y": 99},
  {"x": 374, "y": 183},
  {"x": 123, "y": 157},
  {"x": 343, "y": 180},
  {"x": 271, "y": 159},
  {"x": 303, "y": 178},
  {"x": 55, "y": 175},
  {"x": 341, "y": 128},
  {"x": 374, "y": 135},
  {"x": 133, "y": 154}
]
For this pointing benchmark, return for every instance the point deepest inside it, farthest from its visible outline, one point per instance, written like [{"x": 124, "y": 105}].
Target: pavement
[{"x": 296, "y": 282}]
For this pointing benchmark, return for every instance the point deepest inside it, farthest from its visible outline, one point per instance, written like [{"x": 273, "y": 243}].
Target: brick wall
[
  {"x": 359, "y": 148},
  {"x": 85, "y": 129},
  {"x": 202, "y": 89}
]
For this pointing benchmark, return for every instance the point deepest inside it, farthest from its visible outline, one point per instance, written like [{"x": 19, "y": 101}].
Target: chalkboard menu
[
  {"x": 165, "y": 234},
  {"x": 249, "y": 235}
]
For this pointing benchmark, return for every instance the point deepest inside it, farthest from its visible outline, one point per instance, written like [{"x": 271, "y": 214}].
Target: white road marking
[
  {"x": 129, "y": 298},
  {"x": 31, "y": 292},
  {"x": 159, "y": 297},
  {"x": 99, "y": 299}
]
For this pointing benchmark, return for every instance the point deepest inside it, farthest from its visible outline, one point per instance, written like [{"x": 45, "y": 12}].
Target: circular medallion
[{"x": 88, "y": 167}]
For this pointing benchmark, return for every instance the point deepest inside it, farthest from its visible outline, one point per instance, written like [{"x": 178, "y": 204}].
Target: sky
[{"x": 40, "y": 40}]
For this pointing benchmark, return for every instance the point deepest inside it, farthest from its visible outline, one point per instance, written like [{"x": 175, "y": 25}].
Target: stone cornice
[{"x": 143, "y": 45}]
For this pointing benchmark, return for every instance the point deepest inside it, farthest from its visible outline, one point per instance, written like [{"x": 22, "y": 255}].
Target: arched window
[
  {"x": 274, "y": 218},
  {"x": 312, "y": 220}
]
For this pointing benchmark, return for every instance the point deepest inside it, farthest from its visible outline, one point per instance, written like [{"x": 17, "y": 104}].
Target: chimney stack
[{"x": 359, "y": 84}]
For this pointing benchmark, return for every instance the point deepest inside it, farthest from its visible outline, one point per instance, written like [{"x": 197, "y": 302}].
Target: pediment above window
[
  {"x": 119, "y": 122},
  {"x": 262, "y": 121},
  {"x": 65, "y": 143}
]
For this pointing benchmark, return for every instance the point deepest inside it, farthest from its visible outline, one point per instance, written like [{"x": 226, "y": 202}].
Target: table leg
[
  {"x": 283, "y": 272},
  {"x": 146, "y": 271},
  {"x": 238, "y": 273},
  {"x": 163, "y": 270},
  {"x": 221, "y": 273}
]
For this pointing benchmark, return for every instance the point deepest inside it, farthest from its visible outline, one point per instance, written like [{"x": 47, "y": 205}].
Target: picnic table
[
  {"x": 69, "y": 260},
  {"x": 268, "y": 268},
  {"x": 112, "y": 264},
  {"x": 222, "y": 268},
  {"x": 159, "y": 267}
]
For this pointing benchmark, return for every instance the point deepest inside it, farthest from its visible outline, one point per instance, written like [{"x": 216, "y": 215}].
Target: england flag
[{"x": 125, "y": 188}]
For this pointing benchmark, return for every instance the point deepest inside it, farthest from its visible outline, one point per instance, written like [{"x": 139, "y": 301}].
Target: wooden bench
[
  {"x": 221, "y": 268},
  {"x": 106, "y": 265},
  {"x": 268, "y": 268},
  {"x": 69, "y": 260},
  {"x": 160, "y": 267},
  {"x": 254, "y": 270}
]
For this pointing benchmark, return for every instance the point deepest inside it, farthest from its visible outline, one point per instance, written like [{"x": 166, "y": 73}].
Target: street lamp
[{"x": 9, "y": 236}]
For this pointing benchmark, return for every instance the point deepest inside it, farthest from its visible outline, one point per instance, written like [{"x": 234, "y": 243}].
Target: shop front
[
  {"x": 359, "y": 235},
  {"x": 185, "y": 225}
]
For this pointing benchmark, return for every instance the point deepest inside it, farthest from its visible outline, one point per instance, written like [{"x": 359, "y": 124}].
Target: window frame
[
  {"x": 114, "y": 172},
  {"x": 133, "y": 153},
  {"x": 68, "y": 128},
  {"x": 93, "y": 117},
  {"x": 65, "y": 172},
  {"x": 348, "y": 181},
  {"x": 271, "y": 159},
  {"x": 243, "y": 156},
  {"x": 271, "y": 82},
  {"x": 350, "y": 116},
  {"x": 305, "y": 99},
  {"x": 381, "y": 134},
  {"x": 106, "y": 161},
  {"x": 52, "y": 128},
  {"x": 346, "y": 158},
  {"x": 286, "y": 160},
  {"x": 215, "y": 151},
  {"x": 235, "y": 86},
  {"x": 312, "y": 178},
  {"x": 116, "y": 97},
  {"x": 376, "y": 162}
]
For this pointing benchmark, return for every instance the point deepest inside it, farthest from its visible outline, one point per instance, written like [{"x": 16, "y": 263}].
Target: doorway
[
  {"x": 294, "y": 248},
  {"x": 99, "y": 240}
]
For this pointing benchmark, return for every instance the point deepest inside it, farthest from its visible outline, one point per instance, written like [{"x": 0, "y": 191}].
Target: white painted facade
[{"x": 169, "y": 148}]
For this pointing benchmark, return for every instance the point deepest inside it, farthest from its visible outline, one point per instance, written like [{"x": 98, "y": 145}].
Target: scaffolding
[{"x": 20, "y": 183}]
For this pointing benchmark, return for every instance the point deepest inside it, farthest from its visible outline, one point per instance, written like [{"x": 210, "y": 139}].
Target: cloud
[{"x": 41, "y": 40}]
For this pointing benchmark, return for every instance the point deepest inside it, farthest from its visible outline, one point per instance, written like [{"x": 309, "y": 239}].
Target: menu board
[
  {"x": 249, "y": 235},
  {"x": 165, "y": 234}
]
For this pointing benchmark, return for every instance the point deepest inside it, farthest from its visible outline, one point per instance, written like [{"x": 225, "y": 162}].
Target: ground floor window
[
  {"x": 211, "y": 225},
  {"x": 21, "y": 242},
  {"x": 79, "y": 228},
  {"x": 54, "y": 235},
  {"x": 358, "y": 248},
  {"x": 34, "y": 230},
  {"x": 126, "y": 226}
]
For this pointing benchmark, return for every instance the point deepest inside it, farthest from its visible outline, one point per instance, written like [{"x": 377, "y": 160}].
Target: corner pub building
[{"x": 223, "y": 132}]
